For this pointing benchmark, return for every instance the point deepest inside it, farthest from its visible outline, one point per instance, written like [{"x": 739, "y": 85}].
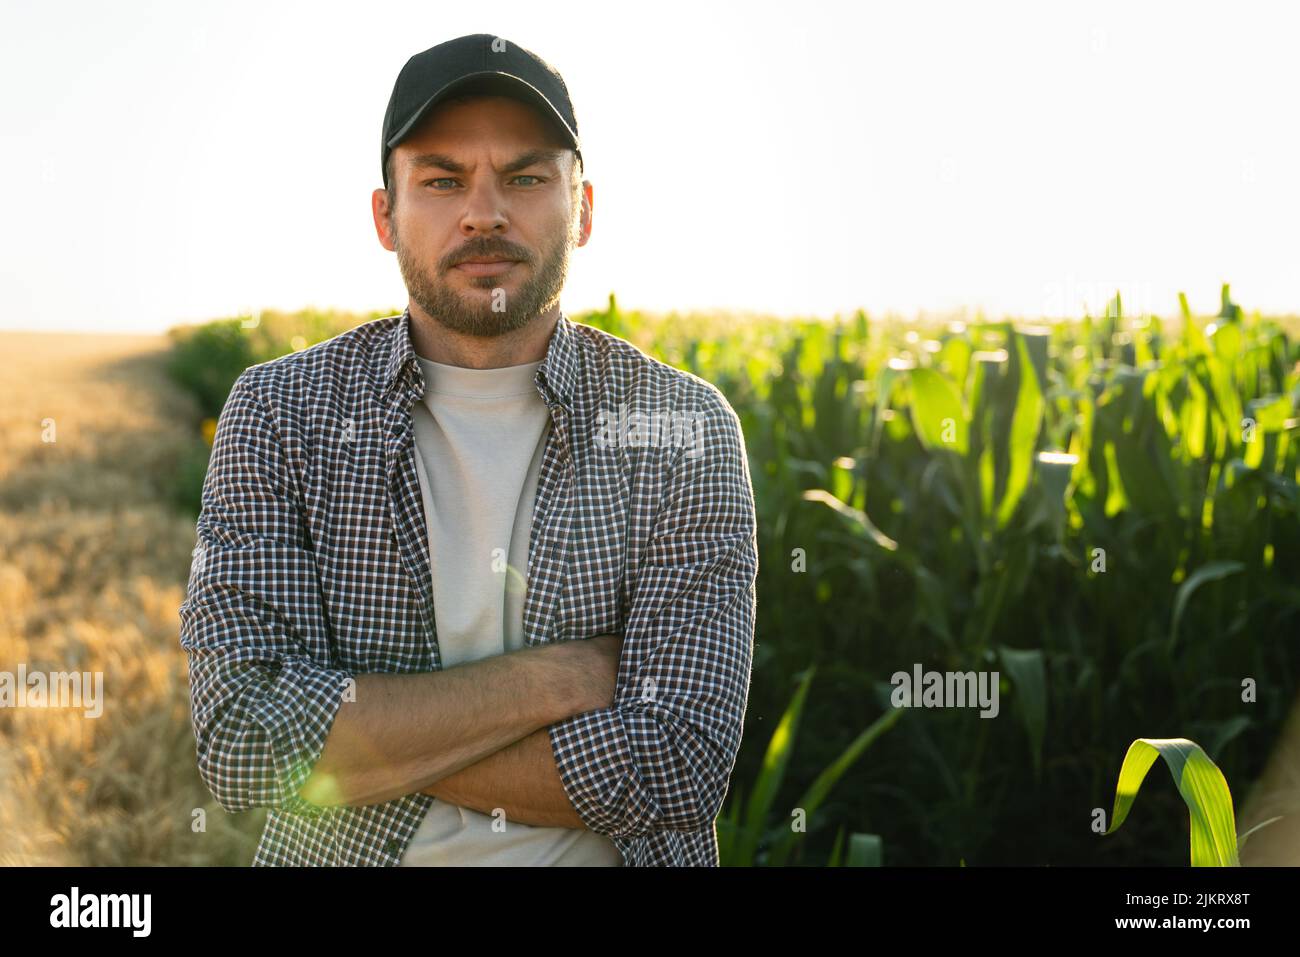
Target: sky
[{"x": 174, "y": 162}]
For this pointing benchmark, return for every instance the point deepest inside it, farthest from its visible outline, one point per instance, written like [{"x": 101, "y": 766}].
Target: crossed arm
[
  {"x": 522, "y": 780},
  {"x": 463, "y": 728}
]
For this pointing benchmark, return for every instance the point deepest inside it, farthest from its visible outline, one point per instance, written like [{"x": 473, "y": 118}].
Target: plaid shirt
[{"x": 312, "y": 565}]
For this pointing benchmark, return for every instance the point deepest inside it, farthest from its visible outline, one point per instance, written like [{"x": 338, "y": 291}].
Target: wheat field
[{"x": 93, "y": 564}]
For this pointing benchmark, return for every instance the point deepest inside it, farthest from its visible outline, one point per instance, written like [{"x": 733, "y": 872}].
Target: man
[{"x": 474, "y": 584}]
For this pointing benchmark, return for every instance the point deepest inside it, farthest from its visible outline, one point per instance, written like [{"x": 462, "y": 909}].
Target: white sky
[{"x": 165, "y": 162}]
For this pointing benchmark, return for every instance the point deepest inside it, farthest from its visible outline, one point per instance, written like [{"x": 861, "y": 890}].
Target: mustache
[{"x": 484, "y": 249}]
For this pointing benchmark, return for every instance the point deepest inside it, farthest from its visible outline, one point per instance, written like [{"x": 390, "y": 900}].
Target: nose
[{"x": 484, "y": 210}]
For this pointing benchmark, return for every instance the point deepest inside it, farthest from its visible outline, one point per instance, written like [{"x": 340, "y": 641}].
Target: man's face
[{"x": 483, "y": 179}]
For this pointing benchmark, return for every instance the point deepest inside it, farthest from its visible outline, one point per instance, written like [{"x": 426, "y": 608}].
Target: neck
[{"x": 434, "y": 341}]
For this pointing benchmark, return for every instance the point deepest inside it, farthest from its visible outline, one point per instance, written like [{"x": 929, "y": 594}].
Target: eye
[{"x": 536, "y": 180}]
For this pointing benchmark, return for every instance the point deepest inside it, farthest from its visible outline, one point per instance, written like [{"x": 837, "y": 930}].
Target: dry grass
[{"x": 93, "y": 564}]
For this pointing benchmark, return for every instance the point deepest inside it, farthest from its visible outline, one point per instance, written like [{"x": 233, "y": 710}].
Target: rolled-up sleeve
[
  {"x": 253, "y": 624},
  {"x": 661, "y": 757}
]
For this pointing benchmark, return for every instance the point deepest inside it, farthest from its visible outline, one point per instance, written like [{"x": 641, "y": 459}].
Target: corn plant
[
  {"x": 745, "y": 834},
  {"x": 1214, "y": 841}
]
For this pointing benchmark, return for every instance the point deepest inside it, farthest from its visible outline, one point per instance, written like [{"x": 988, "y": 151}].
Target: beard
[{"x": 491, "y": 315}]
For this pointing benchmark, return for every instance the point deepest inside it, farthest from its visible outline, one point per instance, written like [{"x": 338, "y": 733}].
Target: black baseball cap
[{"x": 479, "y": 63}]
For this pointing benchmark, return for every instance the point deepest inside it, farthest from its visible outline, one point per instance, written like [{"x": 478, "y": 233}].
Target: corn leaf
[
  {"x": 1202, "y": 785},
  {"x": 1025, "y": 424},
  {"x": 1206, "y": 573},
  {"x": 937, "y": 412}
]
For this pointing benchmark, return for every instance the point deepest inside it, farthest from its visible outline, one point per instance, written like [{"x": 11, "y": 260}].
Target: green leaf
[
  {"x": 988, "y": 480},
  {"x": 1028, "y": 674},
  {"x": 1023, "y": 440},
  {"x": 937, "y": 412},
  {"x": 1135, "y": 434},
  {"x": 1194, "y": 412},
  {"x": 837, "y": 848},
  {"x": 933, "y": 599},
  {"x": 1206, "y": 573},
  {"x": 1053, "y": 470},
  {"x": 854, "y": 515},
  {"x": 812, "y": 798},
  {"x": 776, "y": 759},
  {"x": 1271, "y": 412},
  {"x": 1227, "y": 343},
  {"x": 729, "y": 828},
  {"x": 1115, "y": 500},
  {"x": 955, "y": 358},
  {"x": 1202, "y": 785},
  {"x": 884, "y": 392},
  {"x": 1229, "y": 309}
]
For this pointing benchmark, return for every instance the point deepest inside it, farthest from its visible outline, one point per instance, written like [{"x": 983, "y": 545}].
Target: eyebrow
[{"x": 522, "y": 161}]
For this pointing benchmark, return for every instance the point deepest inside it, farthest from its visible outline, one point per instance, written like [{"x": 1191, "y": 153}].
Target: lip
[{"x": 494, "y": 268}]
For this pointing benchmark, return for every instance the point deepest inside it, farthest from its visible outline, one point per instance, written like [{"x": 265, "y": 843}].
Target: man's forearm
[
  {"x": 403, "y": 732},
  {"x": 522, "y": 780}
]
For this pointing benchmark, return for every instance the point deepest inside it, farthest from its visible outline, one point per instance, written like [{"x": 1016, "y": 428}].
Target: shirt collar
[{"x": 555, "y": 378}]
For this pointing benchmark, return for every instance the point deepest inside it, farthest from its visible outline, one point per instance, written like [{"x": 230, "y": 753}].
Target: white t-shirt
[{"x": 479, "y": 438}]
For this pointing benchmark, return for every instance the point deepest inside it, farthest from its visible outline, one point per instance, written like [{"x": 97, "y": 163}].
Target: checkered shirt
[{"x": 312, "y": 566}]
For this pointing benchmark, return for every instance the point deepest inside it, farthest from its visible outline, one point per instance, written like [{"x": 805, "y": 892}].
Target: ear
[
  {"x": 584, "y": 231},
  {"x": 383, "y": 218}
]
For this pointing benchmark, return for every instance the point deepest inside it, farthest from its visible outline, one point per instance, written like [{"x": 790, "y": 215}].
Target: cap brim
[{"x": 487, "y": 81}]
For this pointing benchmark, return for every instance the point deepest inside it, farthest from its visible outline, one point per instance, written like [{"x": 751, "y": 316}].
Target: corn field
[{"x": 1105, "y": 512}]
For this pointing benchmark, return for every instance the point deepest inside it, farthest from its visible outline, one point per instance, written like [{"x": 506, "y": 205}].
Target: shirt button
[{"x": 392, "y": 845}]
